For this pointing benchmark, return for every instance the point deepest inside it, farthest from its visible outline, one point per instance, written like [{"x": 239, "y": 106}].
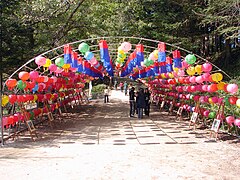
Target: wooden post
[{"x": 49, "y": 113}]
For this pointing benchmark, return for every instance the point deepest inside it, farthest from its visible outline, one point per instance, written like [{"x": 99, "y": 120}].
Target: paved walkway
[{"x": 100, "y": 141}]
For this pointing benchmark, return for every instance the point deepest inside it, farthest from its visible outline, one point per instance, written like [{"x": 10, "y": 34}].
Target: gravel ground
[{"x": 100, "y": 141}]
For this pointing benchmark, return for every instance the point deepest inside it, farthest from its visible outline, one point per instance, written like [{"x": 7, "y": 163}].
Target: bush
[{"x": 97, "y": 91}]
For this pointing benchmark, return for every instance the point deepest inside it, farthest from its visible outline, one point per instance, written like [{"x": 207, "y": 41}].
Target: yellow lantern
[
  {"x": 175, "y": 69},
  {"x": 155, "y": 53},
  {"x": 191, "y": 71},
  {"x": 170, "y": 75},
  {"x": 198, "y": 69},
  {"x": 5, "y": 100},
  {"x": 217, "y": 77},
  {"x": 35, "y": 97}
]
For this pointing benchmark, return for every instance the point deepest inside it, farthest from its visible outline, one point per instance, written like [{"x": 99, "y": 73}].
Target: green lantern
[
  {"x": 21, "y": 85},
  {"x": 190, "y": 59},
  {"x": 212, "y": 115},
  {"x": 83, "y": 48},
  {"x": 59, "y": 62}
]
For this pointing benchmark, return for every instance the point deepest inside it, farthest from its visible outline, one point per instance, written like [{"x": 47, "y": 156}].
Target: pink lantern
[
  {"x": 206, "y": 99},
  {"x": 52, "y": 68},
  {"x": 40, "y": 61},
  {"x": 205, "y": 88},
  {"x": 188, "y": 96},
  {"x": 33, "y": 75},
  {"x": 206, "y": 113},
  {"x": 206, "y": 67},
  {"x": 232, "y": 88},
  {"x": 193, "y": 88},
  {"x": 126, "y": 46},
  {"x": 192, "y": 79},
  {"x": 196, "y": 98},
  {"x": 199, "y": 79},
  {"x": 205, "y": 77},
  {"x": 58, "y": 71},
  {"x": 215, "y": 99},
  {"x": 237, "y": 122},
  {"x": 184, "y": 64},
  {"x": 181, "y": 72},
  {"x": 230, "y": 120}
]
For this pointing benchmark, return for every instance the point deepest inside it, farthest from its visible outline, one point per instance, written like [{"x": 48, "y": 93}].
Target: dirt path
[{"x": 100, "y": 141}]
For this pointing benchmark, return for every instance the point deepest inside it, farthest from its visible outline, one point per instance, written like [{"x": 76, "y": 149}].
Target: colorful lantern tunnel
[{"x": 168, "y": 76}]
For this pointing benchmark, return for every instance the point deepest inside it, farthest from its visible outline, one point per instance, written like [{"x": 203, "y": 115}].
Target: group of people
[{"x": 139, "y": 102}]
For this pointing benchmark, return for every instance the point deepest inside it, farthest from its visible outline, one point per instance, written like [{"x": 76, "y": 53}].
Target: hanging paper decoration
[
  {"x": 67, "y": 54},
  {"x": 139, "y": 55},
  {"x": 177, "y": 59},
  {"x": 105, "y": 57},
  {"x": 11, "y": 83},
  {"x": 128, "y": 68},
  {"x": 74, "y": 63},
  {"x": 169, "y": 67}
]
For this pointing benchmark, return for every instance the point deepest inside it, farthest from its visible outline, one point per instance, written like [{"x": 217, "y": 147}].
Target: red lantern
[
  {"x": 12, "y": 98},
  {"x": 11, "y": 83},
  {"x": 232, "y": 100},
  {"x": 20, "y": 98},
  {"x": 10, "y": 120}
]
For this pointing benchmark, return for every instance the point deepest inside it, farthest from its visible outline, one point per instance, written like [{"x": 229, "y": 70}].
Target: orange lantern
[{"x": 24, "y": 75}]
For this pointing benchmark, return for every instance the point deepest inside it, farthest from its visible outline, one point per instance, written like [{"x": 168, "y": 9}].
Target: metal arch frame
[
  {"x": 113, "y": 37},
  {"x": 123, "y": 38}
]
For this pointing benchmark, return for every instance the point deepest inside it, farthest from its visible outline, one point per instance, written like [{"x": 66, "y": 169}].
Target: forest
[{"x": 209, "y": 28}]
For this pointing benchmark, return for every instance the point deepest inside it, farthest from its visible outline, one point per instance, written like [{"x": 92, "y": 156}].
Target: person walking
[
  {"x": 147, "y": 95},
  {"x": 121, "y": 86},
  {"x": 132, "y": 101},
  {"x": 106, "y": 94},
  {"x": 141, "y": 104}
]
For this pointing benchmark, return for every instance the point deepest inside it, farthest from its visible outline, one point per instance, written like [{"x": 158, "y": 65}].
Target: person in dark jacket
[
  {"x": 132, "y": 101},
  {"x": 141, "y": 104},
  {"x": 147, "y": 101}
]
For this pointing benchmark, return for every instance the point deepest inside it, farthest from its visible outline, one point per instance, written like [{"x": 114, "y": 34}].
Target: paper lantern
[
  {"x": 23, "y": 75},
  {"x": 126, "y": 46},
  {"x": 5, "y": 100},
  {"x": 48, "y": 63},
  {"x": 206, "y": 113},
  {"x": 59, "y": 61},
  {"x": 212, "y": 115},
  {"x": 205, "y": 76},
  {"x": 33, "y": 75},
  {"x": 232, "y": 88},
  {"x": 52, "y": 68},
  {"x": 21, "y": 85},
  {"x": 230, "y": 120},
  {"x": 198, "y": 69},
  {"x": 12, "y": 98},
  {"x": 192, "y": 79},
  {"x": 237, "y": 122},
  {"x": 199, "y": 79},
  {"x": 11, "y": 83},
  {"x": 217, "y": 77},
  {"x": 220, "y": 85},
  {"x": 191, "y": 71},
  {"x": 232, "y": 100},
  {"x": 238, "y": 103},
  {"x": 206, "y": 67},
  {"x": 83, "y": 48},
  {"x": 190, "y": 59},
  {"x": 40, "y": 61}
]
